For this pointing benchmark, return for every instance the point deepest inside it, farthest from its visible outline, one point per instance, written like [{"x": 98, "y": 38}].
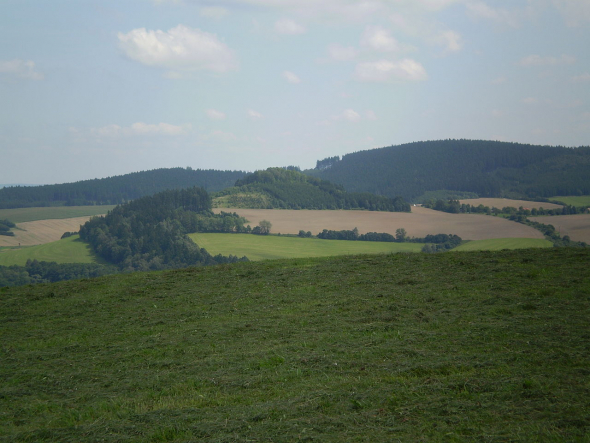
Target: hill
[
  {"x": 455, "y": 167},
  {"x": 116, "y": 190},
  {"x": 282, "y": 188},
  {"x": 401, "y": 347}
]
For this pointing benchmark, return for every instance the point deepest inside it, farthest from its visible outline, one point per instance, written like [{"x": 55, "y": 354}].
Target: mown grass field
[
  {"x": 67, "y": 250},
  {"x": 575, "y": 200},
  {"x": 498, "y": 244},
  {"x": 468, "y": 346},
  {"x": 262, "y": 247},
  {"x": 20, "y": 215}
]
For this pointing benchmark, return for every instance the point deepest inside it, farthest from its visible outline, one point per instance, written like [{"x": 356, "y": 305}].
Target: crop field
[
  {"x": 577, "y": 226},
  {"x": 505, "y": 202},
  {"x": 419, "y": 223},
  {"x": 20, "y": 215},
  {"x": 68, "y": 250},
  {"x": 498, "y": 244},
  {"x": 574, "y": 200},
  {"x": 42, "y": 231},
  {"x": 262, "y": 247},
  {"x": 458, "y": 347}
]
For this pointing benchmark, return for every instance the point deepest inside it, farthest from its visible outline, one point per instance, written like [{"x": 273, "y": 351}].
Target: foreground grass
[
  {"x": 497, "y": 244},
  {"x": 577, "y": 200},
  {"x": 262, "y": 247},
  {"x": 20, "y": 215},
  {"x": 465, "y": 346},
  {"x": 67, "y": 250}
]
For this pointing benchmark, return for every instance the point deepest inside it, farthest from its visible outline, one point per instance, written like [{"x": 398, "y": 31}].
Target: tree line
[
  {"x": 456, "y": 207},
  {"x": 5, "y": 227},
  {"x": 116, "y": 190}
]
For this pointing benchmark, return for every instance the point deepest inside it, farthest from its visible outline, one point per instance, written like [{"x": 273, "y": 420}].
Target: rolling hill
[{"x": 485, "y": 168}]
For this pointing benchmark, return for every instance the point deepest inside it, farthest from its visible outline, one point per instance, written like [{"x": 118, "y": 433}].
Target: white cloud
[
  {"x": 451, "y": 41},
  {"x": 179, "y": 49},
  {"x": 290, "y": 27},
  {"x": 215, "y": 115},
  {"x": 20, "y": 68},
  {"x": 370, "y": 115},
  {"x": 254, "y": 115},
  {"x": 140, "y": 128},
  {"x": 537, "y": 60},
  {"x": 575, "y": 12},
  {"x": 387, "y": 70},
  {"x": 499, "y": 80},
  {"x": 379, "y": 39},
  {"x": 291, "y": 78},
  {"x": 530, "y": 101},
  {"x": 216, "y": 12},
  {"x": 340, "y": 53},
  {"x": 480, "y": 10},
  {"x": 351, "y": 115},
  {"x": 581, "y": 78}
]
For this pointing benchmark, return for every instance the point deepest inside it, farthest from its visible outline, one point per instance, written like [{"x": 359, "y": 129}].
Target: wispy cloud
[
  {"x": 20, "y": 69},
  {"x": 215, "y": 115},
  {"x": 140, "y": 128},
  {"x": 291, "y": 77},
  {"x": 537, "y": 60},
  {"x": 290, "y": 27},
  {"x": 387, "y": 70}
]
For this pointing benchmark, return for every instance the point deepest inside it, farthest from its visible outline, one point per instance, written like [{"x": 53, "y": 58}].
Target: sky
[{"x": 91, "y": 89}]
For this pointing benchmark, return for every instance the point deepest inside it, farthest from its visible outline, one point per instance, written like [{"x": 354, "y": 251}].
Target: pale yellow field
[
  {"x": 419, "y": 223},
  {"x": 42, "y": 231},
  {"x": 576, "y": 226},
  {"x": 505, "y": 202}
]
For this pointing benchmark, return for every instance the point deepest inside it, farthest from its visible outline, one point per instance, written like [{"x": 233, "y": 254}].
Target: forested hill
[
  {"x": 284, "y": 188},
  {"x": 487, "y": 168},
  {"x": 118, "y": 189}
]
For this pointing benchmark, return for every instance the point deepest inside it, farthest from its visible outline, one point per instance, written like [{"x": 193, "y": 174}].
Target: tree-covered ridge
[
  {"x": 116, "y": 190},
  {"x": 486, "y": 168},
  {"x": 282, "y": 188},
  {"x": 150, "y": 233}
]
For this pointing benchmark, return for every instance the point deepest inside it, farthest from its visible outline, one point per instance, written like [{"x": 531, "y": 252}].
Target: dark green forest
[
  {"x": 485, "y": 168},
  {"x": 116, "y": 190},
  {"x": 283, "y": 188},
  {"x": 150, "y": 233}
]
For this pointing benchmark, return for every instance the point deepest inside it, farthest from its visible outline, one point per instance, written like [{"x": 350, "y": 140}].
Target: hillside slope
[
  {"x": 281, "y": 188},
  {"x": 408, "y": 347},
  {"x": 118, "y": 189},
  {"x": 486, "y": 168}
]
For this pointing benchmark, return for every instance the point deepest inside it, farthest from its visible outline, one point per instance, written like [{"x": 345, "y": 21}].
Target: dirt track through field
[
  {"x": 419, "y": 223},
  {"x": 576, "y": 226},
  {"x": 42, "y": 231}
]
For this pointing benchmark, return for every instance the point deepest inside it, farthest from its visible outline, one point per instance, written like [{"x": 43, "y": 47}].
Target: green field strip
[
  {"x": 573, "y": 200},
  {"x": 497, "y": 244},
  {"x": 67, "y": 250},
  {"x": 262, "y": 247},
  {"x": 20, "y": 215}
]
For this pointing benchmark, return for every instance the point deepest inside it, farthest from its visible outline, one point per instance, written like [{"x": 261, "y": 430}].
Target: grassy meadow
[
  {"x": 469, "y": 346},
  {"x": 20, "y": 215},
  {"x": 264, "y": 247},
  {"x": 498, "y": 244},
  {"x": 577, "y": 200},
  {"x": 67, "y": 250}
]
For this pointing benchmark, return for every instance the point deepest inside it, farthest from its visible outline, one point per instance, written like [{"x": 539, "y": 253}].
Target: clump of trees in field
[
  {"x": 287, "y": 188},
  {"x": 50, "y": 272},
  {"x": 5, "y": 228},
  {"x": 150, "y": 233}
]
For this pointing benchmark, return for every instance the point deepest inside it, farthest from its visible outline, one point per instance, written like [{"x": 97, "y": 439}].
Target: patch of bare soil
[
  {"x": 419, "y": 223},
  {"x": 576, "y": 226},
  {"x": 42, "y": 231},
  {"x": 506, "y": 202}
]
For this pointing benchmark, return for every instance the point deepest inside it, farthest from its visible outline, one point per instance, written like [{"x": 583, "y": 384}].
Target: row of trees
[
  {"x": 456, "y": 207},
  {"x": 485, "y": 168},
  {"x": 49, "y": 272},
  {"x": 282, "y": 188}
]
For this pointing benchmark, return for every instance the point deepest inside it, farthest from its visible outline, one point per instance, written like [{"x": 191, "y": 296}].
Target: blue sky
[{"x": 91, "y": 89}]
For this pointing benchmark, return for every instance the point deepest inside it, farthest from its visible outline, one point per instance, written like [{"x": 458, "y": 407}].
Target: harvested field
[
  {"x": 419, "y": 223},
  {"x": 576, "y": 226},
  {"x": 42, "y": 231},
  {"x": 506, "y": 202}
]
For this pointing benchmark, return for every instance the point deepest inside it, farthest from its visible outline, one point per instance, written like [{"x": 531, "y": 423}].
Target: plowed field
[
  {"x": 505, "y": 202},
  {"x": 576, "y": 226}
]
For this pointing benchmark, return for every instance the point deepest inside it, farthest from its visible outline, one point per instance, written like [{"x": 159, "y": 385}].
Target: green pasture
[
  {"x": 264, "y": 247},
  {"x": 497, "y": 244},
  {"x": 67, "y": 250},
  {"x": 20, "y": 215},
  {"x": 573, "y": 200}
]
